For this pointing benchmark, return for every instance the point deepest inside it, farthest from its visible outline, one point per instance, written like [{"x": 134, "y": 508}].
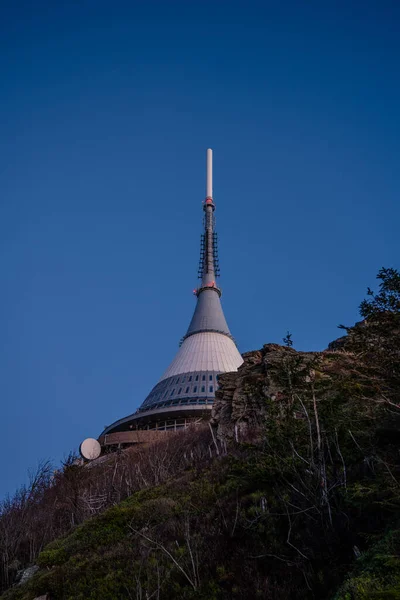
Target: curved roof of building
[{"x": 208, "y": 351}]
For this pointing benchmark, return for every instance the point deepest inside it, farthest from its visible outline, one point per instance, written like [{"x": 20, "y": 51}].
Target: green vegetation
[
  {"x": 377, "y": 573},
  {"x": 308, "y": 509}
]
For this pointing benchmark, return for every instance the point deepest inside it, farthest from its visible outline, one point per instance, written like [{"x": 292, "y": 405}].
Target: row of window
[
  {"x": 203, "y": 389},
  {"x": 166, "y": 392},
  {"x": 196, "y": 378}
]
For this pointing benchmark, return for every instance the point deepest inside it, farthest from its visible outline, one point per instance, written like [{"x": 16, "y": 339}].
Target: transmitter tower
[{"x": 186, "y": 391}]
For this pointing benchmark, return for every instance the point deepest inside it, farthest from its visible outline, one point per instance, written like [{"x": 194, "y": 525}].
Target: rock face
[
  {"x": 240, "y": 403},
  {"x": 26, "y": 574}
]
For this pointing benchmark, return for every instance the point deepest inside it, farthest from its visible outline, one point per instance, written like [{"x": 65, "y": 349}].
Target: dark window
[
  {"x": 203, "y": 378},
  {"x": 195, "y": 389},
  {"x": 210, "y": 377},
  {"x": 187, "y": 390},
  {"x": 197, "y": 377},
  {"x": 172, "y": 393},
  {"x": 180, "y": 389},
  {"x": 183, "y": 379},
  {"x": 190, "y": 378},
  {"x": 211, "y": 388},
  {"x": 177, "y": 381},
  {"x": 203, "y": 388}
]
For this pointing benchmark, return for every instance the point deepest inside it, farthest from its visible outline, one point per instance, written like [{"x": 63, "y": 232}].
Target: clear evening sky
[{"x": 107, "y": 109}]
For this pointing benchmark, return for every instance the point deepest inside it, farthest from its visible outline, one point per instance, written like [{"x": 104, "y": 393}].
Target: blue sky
[{"x": 107, "y": 109}]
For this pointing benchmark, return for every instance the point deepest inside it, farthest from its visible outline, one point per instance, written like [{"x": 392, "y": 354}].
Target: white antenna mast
[{"x": 209, "y": 173}]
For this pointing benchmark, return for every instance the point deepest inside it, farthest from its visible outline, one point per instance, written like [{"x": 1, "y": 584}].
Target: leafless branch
[{"x": 167, "y": 553}]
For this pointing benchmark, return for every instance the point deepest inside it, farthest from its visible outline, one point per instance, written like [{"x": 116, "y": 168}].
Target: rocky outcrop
[
  {"x": 26, "y": 574},
  {"x": 240, "y": 406}
]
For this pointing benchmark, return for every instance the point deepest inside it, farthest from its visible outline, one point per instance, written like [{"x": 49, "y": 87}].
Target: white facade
[{"x": 207, "y": 351}]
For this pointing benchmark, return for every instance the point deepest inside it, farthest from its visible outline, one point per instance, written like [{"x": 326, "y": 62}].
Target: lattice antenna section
[
  {"x": 202, "y": 255},
  {"x": 215, "y": 254}
]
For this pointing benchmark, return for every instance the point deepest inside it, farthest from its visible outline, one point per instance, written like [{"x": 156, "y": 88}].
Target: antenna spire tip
[{"x": 209, "y": 173}]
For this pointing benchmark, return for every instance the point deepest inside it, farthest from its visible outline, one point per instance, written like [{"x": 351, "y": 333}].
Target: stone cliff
[{"x": 240, "y": 407}]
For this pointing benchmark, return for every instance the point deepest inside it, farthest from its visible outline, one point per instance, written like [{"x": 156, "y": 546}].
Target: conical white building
[{"x": 186, "y": 391}]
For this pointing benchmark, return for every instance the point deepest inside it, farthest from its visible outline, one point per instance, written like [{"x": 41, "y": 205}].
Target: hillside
[{"x": 293, "y": 492}]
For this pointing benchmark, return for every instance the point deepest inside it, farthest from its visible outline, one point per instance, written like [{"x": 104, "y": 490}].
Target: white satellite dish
[{"x": 90, "y": 449}]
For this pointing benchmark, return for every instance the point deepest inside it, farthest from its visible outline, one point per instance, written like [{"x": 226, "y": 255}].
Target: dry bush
[{"x": 55, "y": 501}]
